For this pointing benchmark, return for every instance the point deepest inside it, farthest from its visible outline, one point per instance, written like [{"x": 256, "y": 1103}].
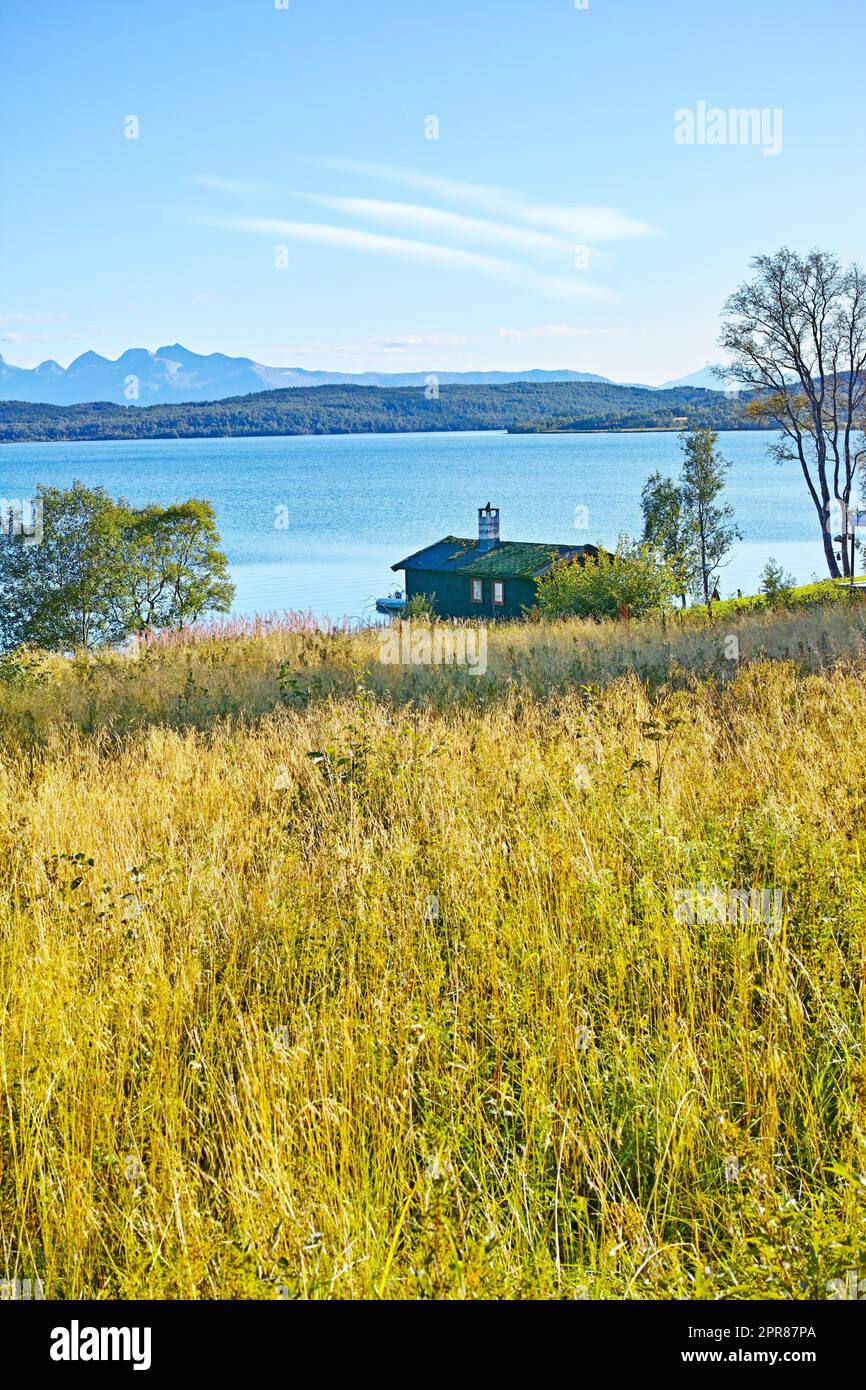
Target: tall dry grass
[
  {"x": 242, "y": 671},
  {"x": 344, "y": 980}
]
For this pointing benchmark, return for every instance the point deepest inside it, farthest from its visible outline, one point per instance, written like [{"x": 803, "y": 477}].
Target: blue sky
[{"x": 554, "y": 222}]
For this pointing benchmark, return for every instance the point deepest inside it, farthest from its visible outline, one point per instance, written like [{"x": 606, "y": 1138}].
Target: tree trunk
[
  {"x": 845, "y": 544},
  {"x": 829, "y": 552},
  {"x": 704, "y": 575}
]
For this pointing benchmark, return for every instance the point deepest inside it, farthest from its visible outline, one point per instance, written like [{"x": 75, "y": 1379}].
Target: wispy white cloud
[
  {"x": 31, "y": 318},
  {"x": 17, "y": 337},
  {"x": 555, "y": 330},
  {"x": 422, "y": 253},
  {"x": 238, "y": 188},
  {"x": 413, "y": 342},
  {"x": 26, "y": 338},
  {"x": 581, "y": 223},
  {"x": 419, "y": 340},
  {"x": 548, "y": 330},
  {"x": 448, "y": 226}
]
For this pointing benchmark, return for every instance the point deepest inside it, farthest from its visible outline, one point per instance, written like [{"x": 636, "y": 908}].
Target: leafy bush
[
  {"x": 632, "y": 583},
  {"x": 103, "y": 571},
  {"x": 776, "y": 586},
  {"x": 22, "y": 668},
  {"x": 419, "y": 608}
]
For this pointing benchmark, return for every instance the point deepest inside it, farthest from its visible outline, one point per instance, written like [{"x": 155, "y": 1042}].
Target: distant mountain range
[
  {"x": 706, "y": 378},
  {"x": 175, "y": 375}
]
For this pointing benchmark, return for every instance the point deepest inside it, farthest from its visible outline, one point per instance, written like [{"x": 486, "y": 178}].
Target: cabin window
[
  {"x": 498, "y": 591},
  {"x": 476, "y": 587}
]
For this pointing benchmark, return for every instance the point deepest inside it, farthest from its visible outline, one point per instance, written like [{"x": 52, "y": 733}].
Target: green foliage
[
  {"x": 175, "y": 571},
  {"x": 666, "y": 528},
  {"x": 633, "y": 582},
  {"x": 796, "y": 337},
  {"x": 526, "y": 406},
  {"x": 683, "y": 521},
  {"x": 21, "y": 668},
  {"x": 421, "y": 608},
  {"x": 822, "y": 594},
  {"x": 710, "y": 524},
  {"x": 102, "y": 571},
  {"x": 60, "y": 593},
  {"x": 776, "y": 586}
]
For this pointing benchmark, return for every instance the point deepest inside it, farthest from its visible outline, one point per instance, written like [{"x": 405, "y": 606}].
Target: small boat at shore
[{"x": 393, "y": 604}]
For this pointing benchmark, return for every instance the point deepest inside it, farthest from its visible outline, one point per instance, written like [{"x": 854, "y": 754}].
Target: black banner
[{"x": 158, "y": 1339}]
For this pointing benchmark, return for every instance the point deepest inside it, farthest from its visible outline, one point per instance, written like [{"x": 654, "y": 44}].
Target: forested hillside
[{"x": 367, "y": 409}]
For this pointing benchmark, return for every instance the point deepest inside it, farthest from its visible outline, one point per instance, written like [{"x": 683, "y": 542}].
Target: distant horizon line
[{"x": 161, "y": 352}]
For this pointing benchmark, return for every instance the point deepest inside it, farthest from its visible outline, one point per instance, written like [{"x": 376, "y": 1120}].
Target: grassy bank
[
  {"x": 241, "y": 671},
  {"x": 328, "y": 978}
]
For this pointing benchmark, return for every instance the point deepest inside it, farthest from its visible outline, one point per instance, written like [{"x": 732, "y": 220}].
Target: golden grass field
[{"x": 244, "y": 1056}]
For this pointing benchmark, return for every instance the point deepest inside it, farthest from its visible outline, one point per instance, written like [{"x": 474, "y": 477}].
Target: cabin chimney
[{"x": 488, "y": 527}]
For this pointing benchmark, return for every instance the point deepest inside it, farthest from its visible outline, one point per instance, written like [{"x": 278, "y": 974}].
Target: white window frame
[{"x": 499, "y": 584}]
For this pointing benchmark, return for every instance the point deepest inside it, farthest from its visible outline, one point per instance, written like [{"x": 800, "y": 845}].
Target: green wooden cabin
[{"x": 484, "y": 578}]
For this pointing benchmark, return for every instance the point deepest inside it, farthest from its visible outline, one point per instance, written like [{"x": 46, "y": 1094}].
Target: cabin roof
[{"x": 508, "y": 559}]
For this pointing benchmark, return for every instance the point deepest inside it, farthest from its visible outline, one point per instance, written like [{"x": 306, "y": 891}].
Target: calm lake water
[{"x": 353, "y": 504}]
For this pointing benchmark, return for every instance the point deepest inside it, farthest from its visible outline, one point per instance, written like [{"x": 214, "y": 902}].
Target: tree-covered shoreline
[{"x": 516, "y": 406}]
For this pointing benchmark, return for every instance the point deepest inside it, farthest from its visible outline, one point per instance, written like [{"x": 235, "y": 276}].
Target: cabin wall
[{"x": 449, "y": 595}]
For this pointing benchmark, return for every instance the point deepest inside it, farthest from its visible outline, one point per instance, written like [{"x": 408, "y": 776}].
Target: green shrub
[
  {"x": 632, "y": 583},
  {"x": 776, "y": 586}
]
